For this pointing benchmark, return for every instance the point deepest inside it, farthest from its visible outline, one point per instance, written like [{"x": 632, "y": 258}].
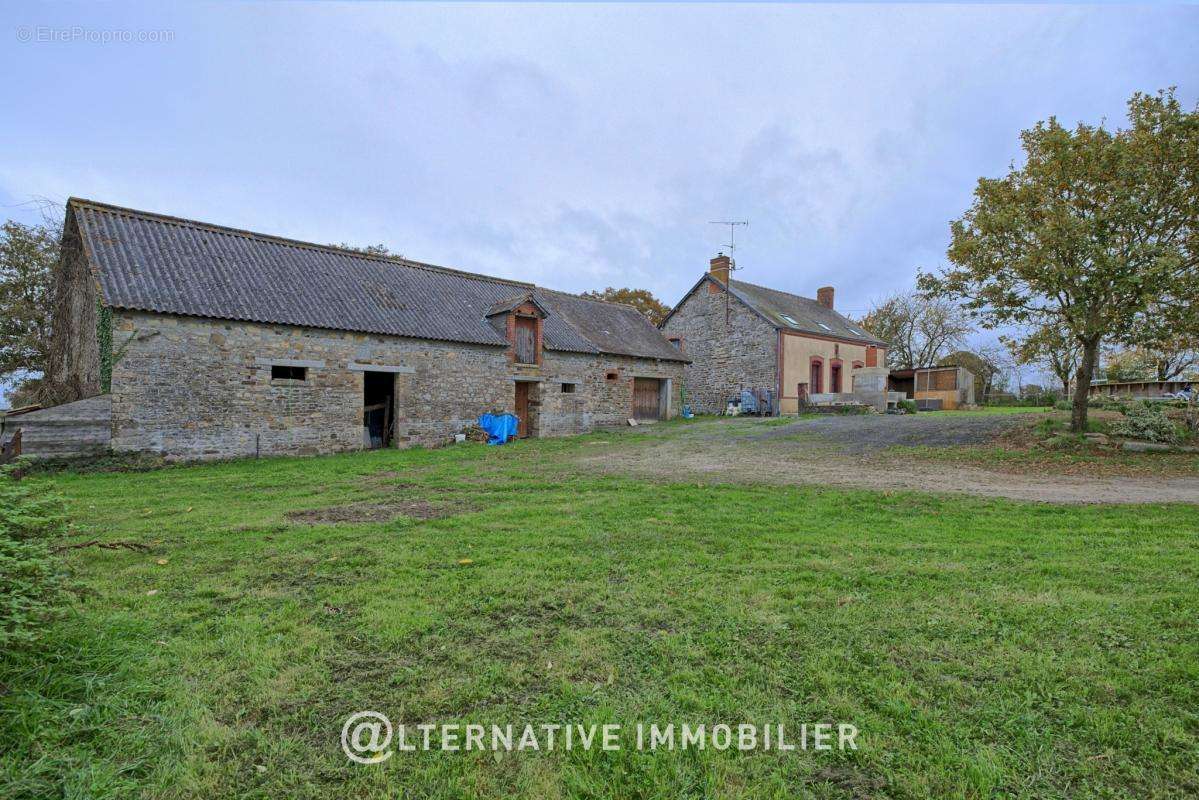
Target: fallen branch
[{"x": 141, "y": 548}]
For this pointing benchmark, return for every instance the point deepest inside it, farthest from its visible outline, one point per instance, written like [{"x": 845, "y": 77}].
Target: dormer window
[{"x": 521, "y": 317}]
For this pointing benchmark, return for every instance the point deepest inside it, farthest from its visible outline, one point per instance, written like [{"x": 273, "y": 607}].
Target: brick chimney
[
  {"x": 824, "y": 296},
  {"x": 719, "y": 268}
]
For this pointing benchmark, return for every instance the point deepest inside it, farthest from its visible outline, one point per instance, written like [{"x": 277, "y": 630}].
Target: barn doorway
[
  {"x": 522, "y": 409},
  {"x": 647, "y": 398},
  {"x": 526, "y": 408},
  {"x": 378, "y": 409}
]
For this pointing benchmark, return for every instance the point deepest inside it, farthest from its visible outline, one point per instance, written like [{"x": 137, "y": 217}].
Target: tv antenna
[
  {"x": 732, "y": 245},
  {"x": 732, "y": 223}
]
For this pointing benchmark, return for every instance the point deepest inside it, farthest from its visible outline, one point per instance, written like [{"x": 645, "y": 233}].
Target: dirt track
[{"x": 852, "y": 451}]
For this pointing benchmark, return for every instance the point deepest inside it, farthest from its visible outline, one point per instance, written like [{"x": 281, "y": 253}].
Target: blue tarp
[{"x": 500, "y": 427}]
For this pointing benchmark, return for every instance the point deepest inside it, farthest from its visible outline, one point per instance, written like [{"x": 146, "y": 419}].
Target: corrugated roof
[
  {"x": 611, "y": 327},
  {"x": 806, "y": 315},
  {"x": 151, "y": 262}
]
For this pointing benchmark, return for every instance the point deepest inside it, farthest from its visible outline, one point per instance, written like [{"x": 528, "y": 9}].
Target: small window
[
  {"x": 677, "y": 342},
  {"x": 611, "y": 375},
  {"x": 282, "y": 373},
  {"x": 568, "y": 388},
  {"x": 827, "y": 328},
  {"x": 856, "y": 332},
  {"x": 789, "y": 320}
]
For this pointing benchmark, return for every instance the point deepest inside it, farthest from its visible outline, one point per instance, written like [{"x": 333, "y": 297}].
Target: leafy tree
[
  {"x": 1032, "y": 391},
  {"x": 1166, "y": 338},
  {"x": 24, "y": 391},
  {"x": 1048, "y": 347},
  {"x": 641, "y": 299},
  {"x": 919, "y": 329},
  {"x": 1094, "y": 228},
  {"x": 1119, "y": 365},
  {"x": 370, "y": 249},
  {"x": 28, "y": 255}
]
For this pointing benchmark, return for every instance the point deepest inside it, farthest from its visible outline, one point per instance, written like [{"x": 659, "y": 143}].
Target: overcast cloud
[{"x": 574, "y": 146}]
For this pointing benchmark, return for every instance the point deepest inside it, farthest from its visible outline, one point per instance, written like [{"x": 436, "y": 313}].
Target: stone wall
[
  {"x": 597, "y": 399},
  {"x": 726, "y": 357},
  {"x": 199, "y": 388}
]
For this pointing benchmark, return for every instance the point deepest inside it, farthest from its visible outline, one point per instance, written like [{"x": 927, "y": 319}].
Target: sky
[{"x": 575, "y": 146}]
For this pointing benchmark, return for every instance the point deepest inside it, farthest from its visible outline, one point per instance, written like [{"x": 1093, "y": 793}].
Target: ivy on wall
[
  {"x": 104, "y": 337},
  {"x": 108, "y": 356}
]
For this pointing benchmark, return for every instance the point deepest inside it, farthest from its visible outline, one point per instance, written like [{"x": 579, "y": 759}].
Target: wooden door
[
  {"x": 646, "y": 392},
  {"x": 522, "y": 409},
  {"x": 526, "y": 340}
]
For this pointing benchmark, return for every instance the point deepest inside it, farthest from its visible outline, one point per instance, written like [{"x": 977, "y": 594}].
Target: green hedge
[{"x": 31, "y": 579}]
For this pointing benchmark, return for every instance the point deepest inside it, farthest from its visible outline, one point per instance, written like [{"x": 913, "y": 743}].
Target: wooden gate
[{"x": 646, "y": 394}]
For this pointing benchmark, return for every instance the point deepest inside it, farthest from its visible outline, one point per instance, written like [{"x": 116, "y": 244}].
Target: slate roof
[
  {"x": 151, "y": 262},
  {"x": 807, "y": 315},
  {"x": 611, "y": 327},
  {"x": 506, "y": 305}
]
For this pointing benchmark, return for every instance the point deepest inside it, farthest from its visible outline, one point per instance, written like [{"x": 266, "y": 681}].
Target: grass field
[{"x": 982, "y": 648}]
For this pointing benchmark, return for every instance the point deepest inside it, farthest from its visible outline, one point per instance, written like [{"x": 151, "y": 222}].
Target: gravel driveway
[
  {"x": 853, "y": 451},
  {"x": 866, "y": 433}
]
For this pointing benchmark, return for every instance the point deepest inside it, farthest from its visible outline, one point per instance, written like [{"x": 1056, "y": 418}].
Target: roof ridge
[
  {"x": 780, "y": 291},
  {"x": 297, "y": 243},
  {"x": 578, "y": 296}
]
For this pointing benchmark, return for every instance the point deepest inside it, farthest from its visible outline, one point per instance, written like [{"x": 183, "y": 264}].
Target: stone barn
[{"x": 211, "y": 342}]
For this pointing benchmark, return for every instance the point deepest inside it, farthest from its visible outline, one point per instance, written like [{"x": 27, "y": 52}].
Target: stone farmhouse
[
  {"x": 740, "y": 337},
  {"x": 195, "y": 340}
]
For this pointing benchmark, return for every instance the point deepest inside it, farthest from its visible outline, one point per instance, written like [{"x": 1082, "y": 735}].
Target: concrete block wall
[{"x": 81, "y": 428}]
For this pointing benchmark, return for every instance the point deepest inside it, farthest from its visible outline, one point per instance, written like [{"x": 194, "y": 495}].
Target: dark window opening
[
  {"x": 835, "y": 377},
  {"x": 611, "y": 376},
  {"x": 282, "y": 373},
  {"x": 677, "y": 342},
  {"x": 814, "y": 381},
  {"x": 568, "y": 388}
]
